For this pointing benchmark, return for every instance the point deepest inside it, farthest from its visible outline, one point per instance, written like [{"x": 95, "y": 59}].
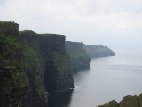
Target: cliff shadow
[{"x": 60, "y": 99}]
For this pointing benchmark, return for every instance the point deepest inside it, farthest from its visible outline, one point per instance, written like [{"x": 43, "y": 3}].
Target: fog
[{"x": 115, "y": 23}]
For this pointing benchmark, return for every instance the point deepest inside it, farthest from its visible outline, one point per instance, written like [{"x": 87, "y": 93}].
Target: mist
[{"x": 115, "y": 23}]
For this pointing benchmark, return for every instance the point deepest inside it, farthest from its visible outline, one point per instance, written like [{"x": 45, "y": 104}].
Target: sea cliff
[
  {"x": 20, "y": 71},
  {"x": 51, "y": 48},
  {"x": 80, "y": 60},
  {"x": 31, "y": 65},
  {"x": 95, "y": 51}
]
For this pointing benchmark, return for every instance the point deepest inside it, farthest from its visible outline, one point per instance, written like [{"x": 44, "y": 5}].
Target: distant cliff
[
  {"x": 51, "y": 48},
  {"x": 128, "y": 101},
  {"x": 98, "y": 51},
  {"x": 80, "y": 60}
]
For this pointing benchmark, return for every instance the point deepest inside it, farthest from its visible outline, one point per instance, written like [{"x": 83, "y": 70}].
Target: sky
[{"x": 115, "y": 23}]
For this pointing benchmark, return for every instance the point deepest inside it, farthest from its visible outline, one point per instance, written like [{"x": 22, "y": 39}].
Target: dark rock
[{"x": 61, "y": 99}]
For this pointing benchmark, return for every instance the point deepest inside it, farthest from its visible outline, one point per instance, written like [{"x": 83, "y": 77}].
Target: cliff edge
[{"x": 95, "y": 51}]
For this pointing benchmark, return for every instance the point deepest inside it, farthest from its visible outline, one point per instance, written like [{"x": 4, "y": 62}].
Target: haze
[{"x": 116, "y": 23}]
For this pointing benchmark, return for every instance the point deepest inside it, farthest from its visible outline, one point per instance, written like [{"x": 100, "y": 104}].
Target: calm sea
[{"x": 109, "y": 78}]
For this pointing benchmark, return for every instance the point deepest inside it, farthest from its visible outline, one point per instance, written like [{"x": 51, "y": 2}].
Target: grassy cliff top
[
  {"x": 7, "y": 22},
  {"x": 32, "y": 33},
  {"x": 52, "y": 35},
  {"x": 9, "y": 28}
]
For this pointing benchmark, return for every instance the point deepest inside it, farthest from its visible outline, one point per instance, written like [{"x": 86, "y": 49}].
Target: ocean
[{"x": 109, "y": 78}]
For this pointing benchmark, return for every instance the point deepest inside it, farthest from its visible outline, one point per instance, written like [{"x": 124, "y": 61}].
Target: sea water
[{"x": 109, "y": 78}]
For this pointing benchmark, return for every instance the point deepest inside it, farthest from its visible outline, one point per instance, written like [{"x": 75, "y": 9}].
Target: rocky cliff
[
  {"x": 98, "y": 51},
  {"x": 51, "y": 48},
  {"x": 128, "y": 101},
  {"x": 20, "y": 71},
  {"x": 13, "y": 78},
  {"x": 80, "y": 60},
  {"x": 30, "y": 65}
]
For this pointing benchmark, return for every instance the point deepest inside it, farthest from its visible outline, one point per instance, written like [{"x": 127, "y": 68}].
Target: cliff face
[
  {"x": 80, "y": 60},
  {"x": 30, "y": 65},
  {"x": 13, "y": 78},
  {"x": 128, "y": 101},
  {"x": 51, "y": 48},
  {"x": 19, "y": 71},
  {"x": 98, "y": 51}
]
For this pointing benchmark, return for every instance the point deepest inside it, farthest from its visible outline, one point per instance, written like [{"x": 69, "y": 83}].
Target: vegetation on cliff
[
  {"x": 13, "y": 78},
  {"x": 128, "y": 101},
  {"x": 80, "y": 60},
  {"x": 20, "y": 80},
  {"x": 35, "y": 93},
  {"x": 9, "y": 28},
  {"x": 51, "y": 49}
]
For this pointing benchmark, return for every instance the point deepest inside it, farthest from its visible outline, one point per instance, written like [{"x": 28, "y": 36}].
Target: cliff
[
  {"x": 9, "y": 28},
  {"x": 20, "y": 74},
  {"x": 80, "y": 60},
  {"x": 30, "y": 65},
  {"x": 128, "y": 101},
  {"x": 98, "y": 51},
  {"x": 51, "y": 49}
]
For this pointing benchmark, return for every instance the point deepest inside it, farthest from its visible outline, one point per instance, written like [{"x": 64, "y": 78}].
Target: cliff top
[
  {"x": 55, "y": 35},
  {"x": 7, "y": 22},
  {"x": 72, "y": 42},
  {"x": 98, "y": 50},
  {"x": 9, "y": 28},
  {"x": 32, "y": 33}
]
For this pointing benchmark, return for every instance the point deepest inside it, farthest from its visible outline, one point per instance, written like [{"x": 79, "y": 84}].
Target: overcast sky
[{"x": 116, "y": 23}]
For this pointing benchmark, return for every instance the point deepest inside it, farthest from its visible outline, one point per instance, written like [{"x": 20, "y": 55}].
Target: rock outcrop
[
  {"x": 128, "y": 101},
  {"x": 95, "y": 51},
  {"x": 80, "y": 60}
]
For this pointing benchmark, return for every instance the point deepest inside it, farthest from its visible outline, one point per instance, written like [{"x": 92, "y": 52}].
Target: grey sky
[{"x": 115, "y": 23}]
